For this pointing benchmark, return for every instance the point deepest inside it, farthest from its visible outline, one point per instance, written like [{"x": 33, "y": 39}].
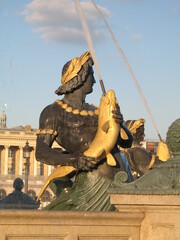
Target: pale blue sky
[{"x": 38, "y": 37}]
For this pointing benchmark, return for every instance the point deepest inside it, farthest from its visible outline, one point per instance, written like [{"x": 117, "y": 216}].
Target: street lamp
[{"x": 26, "y": 155}]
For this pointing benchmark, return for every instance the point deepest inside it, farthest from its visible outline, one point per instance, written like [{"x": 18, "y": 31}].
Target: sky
[{"x": 38, "y": 37}]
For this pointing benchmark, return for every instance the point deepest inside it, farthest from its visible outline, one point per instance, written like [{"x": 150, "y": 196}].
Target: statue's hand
[
  {"x": 117, "y": 115},
  {"x": 83, "y": 162}
]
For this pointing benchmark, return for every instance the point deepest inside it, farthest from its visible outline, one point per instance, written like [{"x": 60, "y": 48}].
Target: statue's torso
[{"x": 75, "y": 132}]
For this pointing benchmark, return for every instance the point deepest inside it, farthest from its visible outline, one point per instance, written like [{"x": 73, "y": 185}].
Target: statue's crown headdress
[{"x": 74, "y": 67}]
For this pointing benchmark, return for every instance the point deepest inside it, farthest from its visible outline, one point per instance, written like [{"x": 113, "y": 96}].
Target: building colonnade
[{"x": 12, "y": 162}]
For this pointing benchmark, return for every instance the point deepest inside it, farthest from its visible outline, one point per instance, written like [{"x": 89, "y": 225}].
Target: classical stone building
[{"x": 12, "y": 163}]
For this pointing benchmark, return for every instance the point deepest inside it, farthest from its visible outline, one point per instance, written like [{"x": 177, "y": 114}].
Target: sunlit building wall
[{"x": 12, "y": 163}]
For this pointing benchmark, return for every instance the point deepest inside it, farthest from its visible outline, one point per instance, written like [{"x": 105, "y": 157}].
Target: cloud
[
  {"x": 58, "y": 20},
  {"x": 136, "y": 37}
]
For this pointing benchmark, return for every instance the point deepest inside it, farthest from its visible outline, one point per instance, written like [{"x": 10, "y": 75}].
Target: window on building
[
  {"x": 10, "y": 153},
  {"x": 40, "y": 169},
  {"x": 11, "y": 161}
]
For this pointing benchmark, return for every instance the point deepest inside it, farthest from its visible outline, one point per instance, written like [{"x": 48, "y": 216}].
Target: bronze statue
[
  {"x": 139, "y": 158},
  {"x": 73, "y": 124}
]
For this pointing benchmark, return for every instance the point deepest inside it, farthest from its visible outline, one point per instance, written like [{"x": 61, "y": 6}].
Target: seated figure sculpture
[
  {"x": 140, "y": 159},
  {"x": 73, "y": 124}
]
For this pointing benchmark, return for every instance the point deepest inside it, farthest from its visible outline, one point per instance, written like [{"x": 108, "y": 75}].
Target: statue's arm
[
  {"x": 46, "y": 135},
  {"x": 51, "y": 156},
  {"x": 46, "y": 154},
  {"x": 125, "y": 143}
]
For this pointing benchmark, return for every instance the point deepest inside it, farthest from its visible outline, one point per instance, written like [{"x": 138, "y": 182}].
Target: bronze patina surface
[
  {"x": 139, "y": 158},
  {"x": 75, "y": 130},
  {"x": 163, "y": 179}
]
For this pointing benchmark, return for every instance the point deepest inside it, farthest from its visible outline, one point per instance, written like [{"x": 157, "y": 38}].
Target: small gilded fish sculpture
[
  {"x": 104, "y": 141},
  {"x": 108, "y": 130}
]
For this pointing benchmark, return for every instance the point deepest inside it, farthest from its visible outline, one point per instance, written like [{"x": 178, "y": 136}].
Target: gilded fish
[
  {"x": 104, "y": 141},
  {"x": 108, "y": 130}
]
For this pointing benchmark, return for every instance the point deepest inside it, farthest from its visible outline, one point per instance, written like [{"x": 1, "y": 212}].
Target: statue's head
[
  {"x": 75, "y": 73},
  {"x": 18, "y": 184}
]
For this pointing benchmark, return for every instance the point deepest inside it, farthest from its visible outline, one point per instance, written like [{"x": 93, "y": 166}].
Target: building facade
[{"x": 12, "y": 163}]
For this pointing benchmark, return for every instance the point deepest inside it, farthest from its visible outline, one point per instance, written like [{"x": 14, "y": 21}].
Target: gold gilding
[
  {"x": 163, "y": 152},
  {"x": 151, "y": 164},
  {"x": 64, "y": 106},
  {"x": 59, "y": 102},
  {"x": 91, "y": 113},
  {"x": 69, "y": 109},
  {"x": 96, "y": 111},
  {"x": 75, "y": 111},
  {"x": 123, "y": 134},
  {"x": 134, "y": 126},
  {"x": 103, "y": 142},
  {"x": 74, "y": 67},
  {"x": 60, "y": 172},
  {"x": 83, "y": 113},
  {"x": 46, "y": 131},
  {"x": 108, "y": 130}
]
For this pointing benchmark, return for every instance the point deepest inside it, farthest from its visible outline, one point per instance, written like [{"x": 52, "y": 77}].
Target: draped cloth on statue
[{"x": 88, "y": 193}]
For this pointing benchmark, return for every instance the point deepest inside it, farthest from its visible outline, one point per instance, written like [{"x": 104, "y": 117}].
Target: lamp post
[{"x": 26, "y": 155}]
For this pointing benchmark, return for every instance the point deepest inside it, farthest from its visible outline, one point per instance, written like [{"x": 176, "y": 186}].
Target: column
[
  {"x": 6, "y": 160},
  {"x": 1, "y": 163},
  {"x": 35, "y": 163},
  {"x": 31, "y": 162},
  {"x": 21, "y": 160},
  {"x": 49, "y": 170},
  {"x": 45, "y": 170}
]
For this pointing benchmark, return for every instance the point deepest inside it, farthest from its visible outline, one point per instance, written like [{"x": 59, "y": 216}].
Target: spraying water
[
  {"x": 90, "y": 43},
  {"x": 129, "y": 68}
]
